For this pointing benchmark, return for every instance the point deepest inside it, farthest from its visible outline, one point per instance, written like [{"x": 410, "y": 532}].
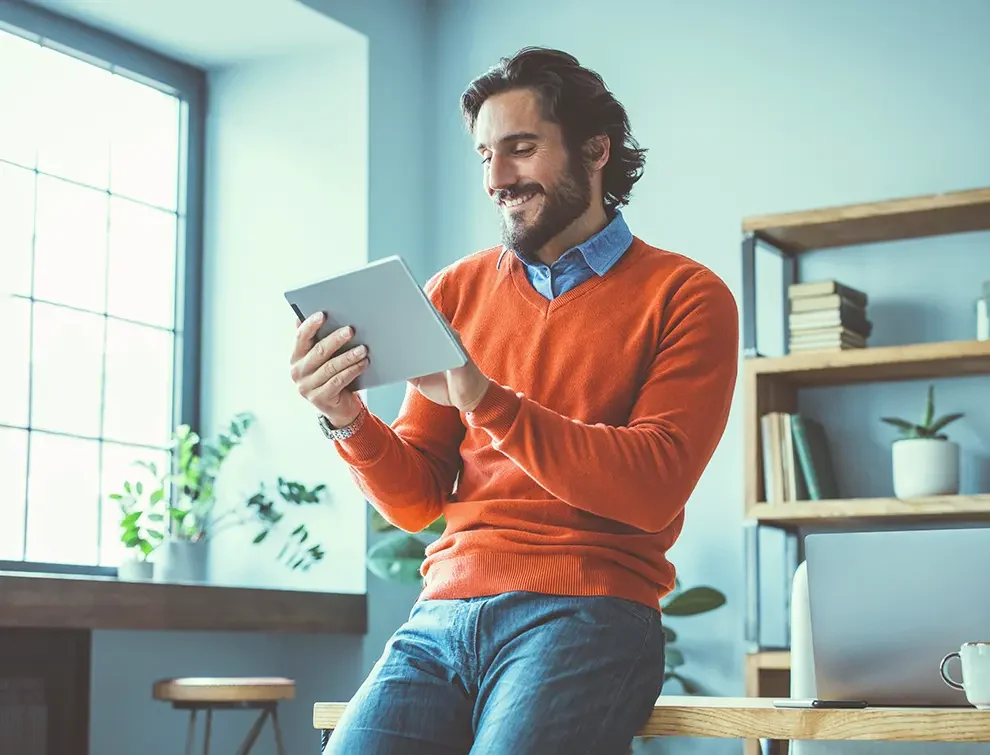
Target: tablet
[{"x": 391, "y": 314}]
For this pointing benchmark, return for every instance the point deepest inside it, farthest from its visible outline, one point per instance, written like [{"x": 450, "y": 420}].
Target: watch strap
[{"x": 347, "y": 431}]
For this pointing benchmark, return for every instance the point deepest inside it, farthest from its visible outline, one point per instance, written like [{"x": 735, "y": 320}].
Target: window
[{"x": 94, "y": 246}]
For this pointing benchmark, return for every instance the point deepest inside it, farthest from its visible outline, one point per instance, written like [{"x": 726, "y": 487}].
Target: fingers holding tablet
[{"x": 322, "y": 375}]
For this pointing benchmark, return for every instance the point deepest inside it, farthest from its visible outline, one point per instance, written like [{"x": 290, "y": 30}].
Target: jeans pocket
[{"x": 637, "y": 610}]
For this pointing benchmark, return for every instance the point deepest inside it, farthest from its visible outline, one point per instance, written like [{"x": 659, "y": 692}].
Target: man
[{"x": 561, "y": 456}]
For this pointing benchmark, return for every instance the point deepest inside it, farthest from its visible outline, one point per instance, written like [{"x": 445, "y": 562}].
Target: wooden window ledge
[{"x": 77, "y": 602}]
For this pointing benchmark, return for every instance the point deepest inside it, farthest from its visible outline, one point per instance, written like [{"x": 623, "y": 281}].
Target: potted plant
[
  {"x": 398, "y": 556},
  {"x": 925, "y": 462},
  {"x": 262, "y": 510},
  {"x": 141, "y": 523},
  {"x": 188, "y": 491}
]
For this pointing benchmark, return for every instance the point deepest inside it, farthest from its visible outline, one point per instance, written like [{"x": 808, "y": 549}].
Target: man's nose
[{"x": 501, "y": 173}]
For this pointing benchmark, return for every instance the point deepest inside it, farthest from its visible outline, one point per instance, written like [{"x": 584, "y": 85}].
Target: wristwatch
[{"x": 347, "y": 431}]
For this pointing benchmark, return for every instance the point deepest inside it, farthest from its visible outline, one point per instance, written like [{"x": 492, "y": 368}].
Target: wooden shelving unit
[
  {"x": 773, "y": 383},
  {"x": 867, "y": 511},
  {"x": 871, "y": 222}
]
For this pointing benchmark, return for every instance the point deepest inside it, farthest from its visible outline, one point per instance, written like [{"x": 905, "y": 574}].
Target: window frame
[{"x": 188, "y": 82}]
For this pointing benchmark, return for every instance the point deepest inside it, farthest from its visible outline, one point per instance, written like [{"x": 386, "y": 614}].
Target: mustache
[{"x": 513, "y": 192}]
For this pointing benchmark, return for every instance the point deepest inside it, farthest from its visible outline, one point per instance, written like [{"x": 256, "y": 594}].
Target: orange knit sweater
[{"x": 571, "y": 476}]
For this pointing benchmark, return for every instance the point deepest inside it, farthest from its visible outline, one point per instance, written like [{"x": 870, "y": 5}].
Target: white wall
[
  {"x": 286, "y": 202},
  {"x": 287, "y": 185}
]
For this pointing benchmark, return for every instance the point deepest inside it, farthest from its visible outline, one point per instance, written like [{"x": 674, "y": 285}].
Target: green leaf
[
  {"x": 437, "y": 526},
  {"x": 115, "y": 496},
  {"x": 690, "y": 687},
  {"x": 669, "y": 635},
  {"x": 397, "y": 556},
  {"x": 157, "y": 496},
  {"x": 260, "y": 536},
  {"x": 942, "y": 421},
  {"x": 380, "y": 523},
  {"x": 929, "y": 407},
  {"x": 694, "y": 601},
  {"x": 900, "y": 423},
  {"x": 673, "y": 657},
  {"x": 156, "y": 518}
]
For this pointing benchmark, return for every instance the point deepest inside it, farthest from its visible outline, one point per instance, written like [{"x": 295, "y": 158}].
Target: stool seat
[
  {"x": 217, "y": 693},
  {"x": 212, "y": 689}
]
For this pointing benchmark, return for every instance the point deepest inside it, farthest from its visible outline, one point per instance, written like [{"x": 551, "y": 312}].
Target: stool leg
[
  {"x": 206, "y": 737},
  {"x": 279, "y": 747},
  {"x": 252, "y": 735},
  {"x": 191, "y": 735}
]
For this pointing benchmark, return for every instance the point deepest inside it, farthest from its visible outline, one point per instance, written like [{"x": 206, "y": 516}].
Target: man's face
[{"x": 538, "y": 188}]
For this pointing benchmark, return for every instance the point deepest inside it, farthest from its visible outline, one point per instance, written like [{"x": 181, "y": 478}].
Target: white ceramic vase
[
  {"x": 182, "y": 561},
  {"x": 925, "y": 467},
  {"x": 132, "y": 570}
]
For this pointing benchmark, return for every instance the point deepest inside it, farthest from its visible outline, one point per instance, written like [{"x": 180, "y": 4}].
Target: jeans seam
[{"x": 625, "y": 681}]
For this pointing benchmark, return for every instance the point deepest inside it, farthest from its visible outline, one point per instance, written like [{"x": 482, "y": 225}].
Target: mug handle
[{"x": 945, "y": 676}]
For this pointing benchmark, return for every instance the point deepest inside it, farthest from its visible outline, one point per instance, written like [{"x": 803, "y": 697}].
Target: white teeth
[{"x": 516, "y": 202}]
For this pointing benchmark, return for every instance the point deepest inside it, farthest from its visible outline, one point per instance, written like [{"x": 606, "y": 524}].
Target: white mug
[{"x": 975, "y": 660}]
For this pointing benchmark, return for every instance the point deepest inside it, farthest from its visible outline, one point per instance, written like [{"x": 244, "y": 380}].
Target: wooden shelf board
[
  {"x": 30, "y": 600},
  {"x": 951, "y": 508},
  {"x": 941, "y": 359},
  {"x": 871, "y": 222}
]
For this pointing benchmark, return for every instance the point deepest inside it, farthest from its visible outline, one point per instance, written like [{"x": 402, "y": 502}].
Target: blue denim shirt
[{"x": 594, "y": 257}]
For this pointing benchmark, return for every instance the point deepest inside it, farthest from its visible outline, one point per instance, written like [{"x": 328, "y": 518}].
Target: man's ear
[{"x": 596, "y": 151}]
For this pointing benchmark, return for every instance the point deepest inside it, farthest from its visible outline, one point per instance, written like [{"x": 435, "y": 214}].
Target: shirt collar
[{"x": 602, "y": 250}]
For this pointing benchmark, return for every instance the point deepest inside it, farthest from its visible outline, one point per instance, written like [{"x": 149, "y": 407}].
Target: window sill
[{"x": 71, "y": 602}]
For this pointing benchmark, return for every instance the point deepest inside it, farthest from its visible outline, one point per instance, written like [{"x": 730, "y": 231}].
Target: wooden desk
[
  {"x": 46, "y": 625},
  {"x": 756, "y": 718}
]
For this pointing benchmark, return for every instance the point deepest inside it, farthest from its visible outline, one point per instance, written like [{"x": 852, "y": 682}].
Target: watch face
[{"x": 325, "y": 427}]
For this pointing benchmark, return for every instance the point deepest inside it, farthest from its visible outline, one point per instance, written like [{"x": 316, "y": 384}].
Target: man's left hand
[{"x": 463, "y": 387}]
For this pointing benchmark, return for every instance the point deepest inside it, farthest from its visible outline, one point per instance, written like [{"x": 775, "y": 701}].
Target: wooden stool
[{"x": 209, "y": 693}]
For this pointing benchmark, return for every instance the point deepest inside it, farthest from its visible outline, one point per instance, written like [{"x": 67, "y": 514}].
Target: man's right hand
[{"x": 322, "y": 378}]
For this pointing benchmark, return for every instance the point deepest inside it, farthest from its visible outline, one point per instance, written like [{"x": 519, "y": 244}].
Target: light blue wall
[
  {"x": 399, "y": 185},
  {"x": 752, "y": 108}
]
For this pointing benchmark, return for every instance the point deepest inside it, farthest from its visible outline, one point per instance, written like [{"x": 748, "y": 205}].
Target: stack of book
[{"x": 827, "y": 315}]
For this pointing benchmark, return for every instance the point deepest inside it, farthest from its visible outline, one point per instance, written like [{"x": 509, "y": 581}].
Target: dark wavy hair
[{"x": 575, "y": 98}]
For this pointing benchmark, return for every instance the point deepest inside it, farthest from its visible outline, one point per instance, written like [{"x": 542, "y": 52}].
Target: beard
[{"x": 563, "y": 203}]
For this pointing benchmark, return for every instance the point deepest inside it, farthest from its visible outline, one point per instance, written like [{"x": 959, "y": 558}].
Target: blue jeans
[{"x": 514, "y": 674}]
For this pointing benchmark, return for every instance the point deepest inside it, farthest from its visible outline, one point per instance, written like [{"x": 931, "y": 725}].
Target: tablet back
[{"x": 391, "y": 315}]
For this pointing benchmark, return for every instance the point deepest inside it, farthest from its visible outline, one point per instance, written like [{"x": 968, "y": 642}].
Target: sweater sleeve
[
  {"x": 640, "y": 474},
  {"x": 407, "y": 469}
]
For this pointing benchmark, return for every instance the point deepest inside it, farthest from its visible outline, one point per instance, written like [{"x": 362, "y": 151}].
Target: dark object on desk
[{"x": 794, "y": 702}]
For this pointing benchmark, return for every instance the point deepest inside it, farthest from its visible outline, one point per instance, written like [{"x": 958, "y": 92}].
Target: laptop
[{"x": 886, "y": 607}]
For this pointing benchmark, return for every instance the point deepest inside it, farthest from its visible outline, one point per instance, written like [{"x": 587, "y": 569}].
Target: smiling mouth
[{"x": 517, "y": 202}]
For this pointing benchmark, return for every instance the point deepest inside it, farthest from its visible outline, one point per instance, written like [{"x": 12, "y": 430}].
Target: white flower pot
[
  {"x": 925, "y": 467},
  {"x": 132, "y": 570},
  {"x": 181, "y": 561}
]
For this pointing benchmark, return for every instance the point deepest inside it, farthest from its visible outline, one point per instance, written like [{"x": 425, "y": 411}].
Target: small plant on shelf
[
  {"x": 197, "y": 466},
  {"x": 398, "y": 556},
  {"x": 142, "y": 521},
  {"x": 925, "y": 461}
]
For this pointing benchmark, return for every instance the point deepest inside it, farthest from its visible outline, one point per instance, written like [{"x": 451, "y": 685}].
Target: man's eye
[{"x": 522, "y": 151}]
